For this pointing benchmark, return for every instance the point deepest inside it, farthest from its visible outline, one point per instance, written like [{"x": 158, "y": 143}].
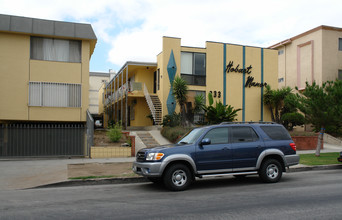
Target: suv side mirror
[{"x": 206, "y": 141}]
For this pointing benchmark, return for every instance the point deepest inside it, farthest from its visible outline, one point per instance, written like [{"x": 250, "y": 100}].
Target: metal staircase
[
  {"x": 154, "y": 105},
  {"x": 158, "y": 109}
]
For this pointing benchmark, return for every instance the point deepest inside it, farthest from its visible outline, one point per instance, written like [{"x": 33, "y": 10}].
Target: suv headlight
[{"x": 154, "y": 156}]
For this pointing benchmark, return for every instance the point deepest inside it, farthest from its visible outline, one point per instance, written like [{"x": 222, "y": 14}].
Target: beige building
[
  {"x": 44, "y": 81},
  {"x": 96, "y": 80},
  {"x": 315, "y": 55},
  {"x": 234, "y": 74}
]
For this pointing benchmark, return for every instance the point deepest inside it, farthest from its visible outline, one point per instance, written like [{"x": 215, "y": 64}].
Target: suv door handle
[{"x": 225, "y": 148}]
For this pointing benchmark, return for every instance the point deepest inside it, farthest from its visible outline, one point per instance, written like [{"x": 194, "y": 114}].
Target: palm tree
[
  {"x": 180, "y": 91},
  {"x": 274, "y": 99}
]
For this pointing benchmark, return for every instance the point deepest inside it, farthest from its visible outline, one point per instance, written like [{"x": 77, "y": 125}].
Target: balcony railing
[{"x": 120, "y": 93}]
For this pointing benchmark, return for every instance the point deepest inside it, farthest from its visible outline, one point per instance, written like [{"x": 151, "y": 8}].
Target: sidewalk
[
  {"x": 327, "y": 148},
  {"x": 27, "y": 173},
  {"x": 32, "y": 172}
]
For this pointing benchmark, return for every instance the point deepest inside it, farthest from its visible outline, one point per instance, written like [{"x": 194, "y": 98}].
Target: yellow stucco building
[
  {"x": 314, "y": 55},
  {"x": 44, "y": 76},
  {"x": 234, "y": 74}
]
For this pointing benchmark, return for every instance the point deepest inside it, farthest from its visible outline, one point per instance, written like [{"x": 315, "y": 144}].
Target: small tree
[
  {"x": 321, "y": 106},
  {"x": 180, "y": 91},
  {"x": 289, "y": 114},
  {"x": 114, "y": 132},
  {"x": 274, "y": 99},
  {"x": 283, "y": 105},
  {"x": 199, "y": 108},
  {"x": 199, "y": 104}
]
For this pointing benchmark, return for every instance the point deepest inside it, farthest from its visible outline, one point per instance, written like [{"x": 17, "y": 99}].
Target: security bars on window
[{"x": 49, "y": 94}]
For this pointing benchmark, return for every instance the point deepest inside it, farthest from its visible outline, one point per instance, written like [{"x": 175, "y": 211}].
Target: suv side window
[
  {"x": 276, "y": 132},
  {"x": 243, "y": 134},
  {"x": 218, "y": 135}
]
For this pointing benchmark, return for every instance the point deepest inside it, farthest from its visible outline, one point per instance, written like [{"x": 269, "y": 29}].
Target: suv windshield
[{"x": 192, "y": 136}]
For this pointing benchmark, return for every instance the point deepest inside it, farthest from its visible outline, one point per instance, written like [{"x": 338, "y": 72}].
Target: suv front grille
[{"x": 140, "y": 156}]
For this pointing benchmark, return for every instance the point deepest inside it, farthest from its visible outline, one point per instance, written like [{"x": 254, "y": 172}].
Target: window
[
  {"x": 55, "y": 49},
  {"x": 339, "y": 75},
  {"x": 244, "y": 134},
  {"x": 340, "y": 44},
  {"x": 276, "y": 132},
  {"x": 54, "y": 94},
  {"x": 158, "y": 79},
  {"x": 218, "y": 135},
  {"x": 193, "y": 68},
  {"x": 280, "y": 52}
]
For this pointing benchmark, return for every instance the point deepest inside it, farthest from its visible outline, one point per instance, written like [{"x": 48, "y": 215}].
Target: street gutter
[{"x": 127, "y": 180}]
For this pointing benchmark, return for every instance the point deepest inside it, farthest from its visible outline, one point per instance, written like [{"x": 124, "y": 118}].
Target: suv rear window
[{"x": 276, "y": 132}]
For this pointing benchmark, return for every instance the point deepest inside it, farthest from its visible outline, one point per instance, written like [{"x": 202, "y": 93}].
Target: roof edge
[{"x": 322, "y": 27}]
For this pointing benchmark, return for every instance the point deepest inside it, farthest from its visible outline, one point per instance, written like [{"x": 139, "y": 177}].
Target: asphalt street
[{"x": 299, "y": 195}]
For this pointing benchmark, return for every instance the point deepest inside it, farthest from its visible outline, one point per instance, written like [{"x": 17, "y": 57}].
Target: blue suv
[{"x": 238, "y": 149}]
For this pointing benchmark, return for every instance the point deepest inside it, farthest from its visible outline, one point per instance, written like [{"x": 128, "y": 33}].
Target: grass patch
[
  {"x": 101, "y": 177},
  {"x": 324, "y": 159}
]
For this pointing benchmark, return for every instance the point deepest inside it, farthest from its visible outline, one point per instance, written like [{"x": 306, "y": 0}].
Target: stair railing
[{"x": 149, "y": 102}]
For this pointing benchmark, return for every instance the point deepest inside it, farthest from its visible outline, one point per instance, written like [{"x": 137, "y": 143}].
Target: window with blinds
[{"x": 49, "y": 94}]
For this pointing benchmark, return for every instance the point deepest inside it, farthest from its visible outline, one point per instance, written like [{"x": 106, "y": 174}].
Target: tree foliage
[
  {"x": 180, "y": 91},
  {"x": 219, "y": 113},
  {"x": 322, "y": 106},
  {"x": 199, "y": 104},
  {"x": 283, "y": 106}
]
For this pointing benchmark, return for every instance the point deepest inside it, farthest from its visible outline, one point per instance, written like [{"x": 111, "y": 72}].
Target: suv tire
[
  {"x": 270, "y": 171},
  {"x": 177, "y": 177}
]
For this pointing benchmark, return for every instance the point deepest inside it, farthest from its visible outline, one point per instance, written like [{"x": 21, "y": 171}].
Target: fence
[
  {"x": 42, "y": 139},
  {"x": 90, "y": 132}
]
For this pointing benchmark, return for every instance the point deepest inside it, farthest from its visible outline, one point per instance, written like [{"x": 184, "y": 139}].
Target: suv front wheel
[
  {"x": 177, "y": 177},
  {"x": 270, "y": 171}
]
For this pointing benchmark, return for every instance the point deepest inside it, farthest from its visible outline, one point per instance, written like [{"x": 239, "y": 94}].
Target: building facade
[
  {"x": 44, "y": 72},
  {"x": 315, "y": 55},
  {"x": 96, "y": 80},
  {"x": 234, "y": 74}
]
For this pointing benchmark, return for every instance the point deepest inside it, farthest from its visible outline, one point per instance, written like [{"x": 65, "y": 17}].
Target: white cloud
[{"x": 133, "y": 29}]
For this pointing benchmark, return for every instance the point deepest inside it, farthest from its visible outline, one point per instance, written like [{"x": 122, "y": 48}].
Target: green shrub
[
  {"x": 173, "y": 133},
  {"x": 114, "y": 133},
  {"x": 172, "y": 120},
  {"x": 292, "y": 119}
]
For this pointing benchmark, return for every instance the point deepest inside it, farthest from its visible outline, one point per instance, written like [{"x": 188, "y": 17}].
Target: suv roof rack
[{"x": 248, "y": 122}]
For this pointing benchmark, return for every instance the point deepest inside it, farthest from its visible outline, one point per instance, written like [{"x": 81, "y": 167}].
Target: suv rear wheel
[
  {"x": 177, "y": 177},
  {"x": 270, "y": 171}
]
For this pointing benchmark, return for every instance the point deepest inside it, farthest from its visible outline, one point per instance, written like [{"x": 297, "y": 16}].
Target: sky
[{"x": 132, "y": 30}]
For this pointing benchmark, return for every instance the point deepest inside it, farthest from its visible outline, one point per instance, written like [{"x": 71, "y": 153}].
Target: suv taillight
[{"x": 293, "y": 146}]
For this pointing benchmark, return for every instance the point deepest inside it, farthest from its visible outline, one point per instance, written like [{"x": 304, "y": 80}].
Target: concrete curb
[
  {"x": 89, "y": 182},
  {"x": 312, "y": 168},
  {"x": 123, "y": 180}
]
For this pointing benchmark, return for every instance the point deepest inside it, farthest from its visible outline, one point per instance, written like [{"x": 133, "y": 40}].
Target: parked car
[
  {"x": 340, "y": 158},
  {"x": 237, "y": 149},
  {"x": 98, "y": 123}
]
